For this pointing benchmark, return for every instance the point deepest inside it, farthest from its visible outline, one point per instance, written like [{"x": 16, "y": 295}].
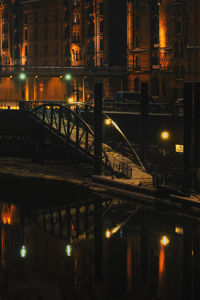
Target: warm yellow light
[
  {"x": 70, "y": 100},
  {"x": 107, "y": 121},
  {"x": 165, "y": 135},
  {"x": 36, "y": 76},
  {"x": 164, "y": 240},
  {"x": 61, "y": 76},
  {"x": 108, "y": 234},
  {"x": 11, "y": 76}
]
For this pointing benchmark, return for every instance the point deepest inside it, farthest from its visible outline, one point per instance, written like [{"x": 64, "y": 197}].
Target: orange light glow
[
  {"x": 8, "y": 213},
  {"x": 161, "y": 261}
]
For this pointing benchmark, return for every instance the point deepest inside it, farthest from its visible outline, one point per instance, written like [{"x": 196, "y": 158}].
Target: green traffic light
[
  {"x": 22, "y": 76},
  {"x": 68, "y": 76}
]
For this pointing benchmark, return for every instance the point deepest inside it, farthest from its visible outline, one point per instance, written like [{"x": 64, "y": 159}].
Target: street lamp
[
  {"x": 165, "y": 135},
  {"x": 68, "y": 78},
  {"x": 22, "y": 76},
  {"x": 23, "y": 251},
  {"x": 164, "y": 240}
]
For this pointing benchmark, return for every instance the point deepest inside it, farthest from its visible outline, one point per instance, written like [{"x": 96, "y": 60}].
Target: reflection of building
[
  {"x": 163, "y": 45},
  {"x": 60, "y": 34}
]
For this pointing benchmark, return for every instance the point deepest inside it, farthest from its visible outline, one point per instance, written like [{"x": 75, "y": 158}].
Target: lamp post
[
  {"x": 22, "y": 77},
  {"x": 68, "y": 78}
]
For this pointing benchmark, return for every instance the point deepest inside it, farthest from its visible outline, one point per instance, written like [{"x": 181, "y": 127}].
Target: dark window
[
  {"x": 155, "y": 91},
  {"x": 25, "y": 18},
  {"x": 26, "y": 34},
  {"x": 56, "y": 31},
  {"x": 36, "y": 50},
  {"x": 56, "y": 49},
  {"x": 101, "y": 26},
  {"x": 45, "y": 16},
  {"x": 46, "y": 49},
  {"x": 136, "y": 22},
  {"x": 136, "y": 41},
  {"x": 26, "y": 49},
  {"x": 101, "y": 44},
  {"x": 136, "y": 84},
  {"x": 178, "y": 48},
  {"x": 46, "y": 32},
  {"x": 35, "y": 16},
  {"x": 56, "y": 16},
  {"x": 36, "y": 33},
  {"x": 101, "y": 8},
  {"x": 5, "y": 44},
  {"x": 137, "y": 62},
  {"x": 5, "y": 28},
  {"x": 178, "y": 27},
  {"x": 164, "y": 92}
]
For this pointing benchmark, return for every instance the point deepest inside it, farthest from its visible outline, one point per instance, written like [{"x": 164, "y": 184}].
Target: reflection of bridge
[{"x": 70, "y": 123}]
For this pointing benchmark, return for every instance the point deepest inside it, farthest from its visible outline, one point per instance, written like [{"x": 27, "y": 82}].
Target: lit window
[{"x": 26, "y": 49}]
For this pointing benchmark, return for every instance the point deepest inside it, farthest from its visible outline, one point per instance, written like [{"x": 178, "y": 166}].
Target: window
[
  {"x": 155, "y": 91},
  {"x": 178, "y": 48},
  {"x": 56, "y": 49},
  {"x": 101, "y": 8},
  {"x": 5, "y": 28},
  {"x": 25, "y": 18},
  {"x": 164, "y": 92},
  {"x": 137, "y": 22},
  {"x": 137, "y": 62},
  {"x": 56, "y": 15},
  {"x": 56, "y": 31},
  {"x": 35, "y": 16},
  {"x": 46, "y": 32},
  {"x": 36, "y": 50},
  {"x": 26, "y": 34},
  {"x": 45, "y": 16},
  {"x": 101, "y": 26},
  {"x": 26, "y": 49},
  {"x": 101, "y": 44},
  {"x": 136, "y": 41},
  {"x": 46, "y": 49},
  {"x": 178, "y": 27},
  {"x": 36, "y": 33},
  {"x": 136, "y": 84}
]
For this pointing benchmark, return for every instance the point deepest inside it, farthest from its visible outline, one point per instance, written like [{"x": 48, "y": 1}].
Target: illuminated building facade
[
  {"x": 163, "y": 46},
  {"x": 60, "y": 34}
]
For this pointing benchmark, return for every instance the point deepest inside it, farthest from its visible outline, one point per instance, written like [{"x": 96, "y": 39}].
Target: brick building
[
  {"x": 163, "y": 46},
  {"x": 64, "y": 36}
]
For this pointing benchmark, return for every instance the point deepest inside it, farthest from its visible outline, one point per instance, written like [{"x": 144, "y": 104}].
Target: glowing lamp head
[
  {"x": 164, "y": 240},
  {"x": 23, "y": 252},
  {"x": 108, "y": 233},
  {"x": 68, "y": 250},
  {"x": 22, "y": 76},
  {"x": 68, "y": 77},
  {"x": 107, "y": 121},
  {"x": 70, "y": 100},
  {"x": 165, "y": 135}
]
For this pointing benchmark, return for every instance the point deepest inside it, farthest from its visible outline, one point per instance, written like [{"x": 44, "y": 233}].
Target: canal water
[{"x": 147, "y": 254}]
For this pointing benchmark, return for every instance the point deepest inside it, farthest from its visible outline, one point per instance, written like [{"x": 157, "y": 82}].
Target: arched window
[
  {"x": 155, "y": 91},
  {"x": 136, "y": 84}
]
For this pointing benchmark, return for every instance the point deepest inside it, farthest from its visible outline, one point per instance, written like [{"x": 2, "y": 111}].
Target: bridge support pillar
[{"x": 98, "y": 128}]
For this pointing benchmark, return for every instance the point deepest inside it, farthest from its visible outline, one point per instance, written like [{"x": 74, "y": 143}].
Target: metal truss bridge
[{"x": 72, "y": 123}]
